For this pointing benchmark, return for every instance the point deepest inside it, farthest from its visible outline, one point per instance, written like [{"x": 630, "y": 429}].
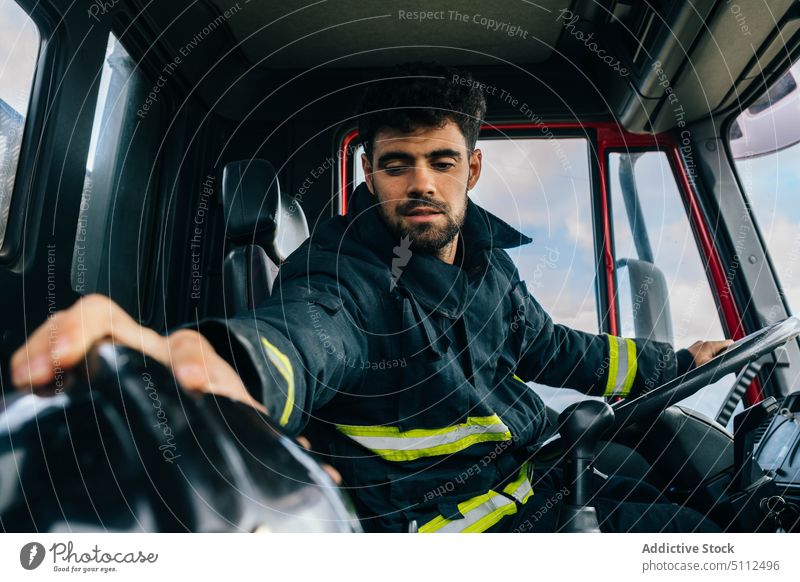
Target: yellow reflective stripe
[
  {"x": 518, "y": 378},
  {"x": 284, "y": 366},
  {"x": 632, "y": 365},
  {"x": 481, "y": 503},
  {"x": 392, "y": 444},
  {"x": 511, "y": 487},
  {"x": 622, "y": 366},
  {"x": 613, "y": 362}
]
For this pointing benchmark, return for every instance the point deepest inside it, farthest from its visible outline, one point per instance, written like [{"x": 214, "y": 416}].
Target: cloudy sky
[
  {"x": 19, "y": 46},
  {"x": 772, "y": 183}
]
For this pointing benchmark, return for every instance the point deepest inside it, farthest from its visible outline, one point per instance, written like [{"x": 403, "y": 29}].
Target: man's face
[{"x": 421, "y": 181}]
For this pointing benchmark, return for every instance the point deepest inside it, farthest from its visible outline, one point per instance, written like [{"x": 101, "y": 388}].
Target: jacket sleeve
[
  {"x": 295, "y": 351},
  {"x": 598, "y": 365}
]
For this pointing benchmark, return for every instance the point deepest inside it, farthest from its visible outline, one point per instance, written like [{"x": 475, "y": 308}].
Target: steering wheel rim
[
  {"x": 740, "y": 353},
  {"x": 179, "y": 461}
]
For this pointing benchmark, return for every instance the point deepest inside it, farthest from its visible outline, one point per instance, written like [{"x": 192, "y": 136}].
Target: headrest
[
  {"x": 257, "y": 212},
  {"x": 250, "y": 196}
]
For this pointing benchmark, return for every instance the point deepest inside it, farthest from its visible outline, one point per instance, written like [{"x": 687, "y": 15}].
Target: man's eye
[
  {"x": 443, "y": 166},
  {"x": 395, "y": 170}
]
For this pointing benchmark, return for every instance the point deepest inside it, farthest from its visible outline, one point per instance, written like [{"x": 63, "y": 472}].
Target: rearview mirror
[{"x": 771, "y": 123}]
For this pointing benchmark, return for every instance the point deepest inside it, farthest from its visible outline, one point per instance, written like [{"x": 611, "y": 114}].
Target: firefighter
[{"x": 400, "y": 338}]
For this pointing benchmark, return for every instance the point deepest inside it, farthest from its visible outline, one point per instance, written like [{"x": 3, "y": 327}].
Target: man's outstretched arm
[
  {"x": 600, "y": 365},
  {"x": 285, "y": 358}
]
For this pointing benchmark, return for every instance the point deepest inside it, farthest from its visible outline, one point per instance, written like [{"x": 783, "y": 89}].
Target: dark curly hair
[{"x": 422, "y": 94}]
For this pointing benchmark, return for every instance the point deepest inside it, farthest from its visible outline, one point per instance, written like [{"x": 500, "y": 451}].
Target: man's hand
[
  {"x": 704, "y": 351},
  {"x": 64, "y": 339}
]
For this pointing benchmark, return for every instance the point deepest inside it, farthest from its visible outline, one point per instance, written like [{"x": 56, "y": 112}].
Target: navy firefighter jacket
[{"x": 408, "y": 374}]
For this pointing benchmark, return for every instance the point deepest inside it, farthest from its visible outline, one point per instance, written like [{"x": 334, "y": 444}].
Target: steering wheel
[
  {"x": 740, "y": 353},
  {"x": 119, "y": 446},
  {"x": 647, "y": 407}
]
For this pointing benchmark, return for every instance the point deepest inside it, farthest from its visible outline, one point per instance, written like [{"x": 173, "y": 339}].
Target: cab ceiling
[
  {"x": 235, "y": 51},
  {"x": 264, "y": 56},
  {"x": 356, "y": 33}
]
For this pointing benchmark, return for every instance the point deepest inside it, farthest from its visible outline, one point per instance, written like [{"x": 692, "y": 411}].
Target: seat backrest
[{"x": 263, "y": 226}]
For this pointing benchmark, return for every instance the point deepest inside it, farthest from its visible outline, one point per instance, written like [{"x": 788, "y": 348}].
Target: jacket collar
[{"x": 436, "y": 285}]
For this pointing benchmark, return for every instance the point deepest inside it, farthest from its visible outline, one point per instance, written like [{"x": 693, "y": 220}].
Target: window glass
[
  {"x": 112, "y": 242},
  {"x": 663, "y": 290},
  {"x": 542, "y": 187},
  {"x": 19, "y": 48},
  {"x": 765, "y": 143}
]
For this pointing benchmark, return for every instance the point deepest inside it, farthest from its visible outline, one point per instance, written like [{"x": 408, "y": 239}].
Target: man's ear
[
  {"x": 475, "y": 164},
  {"x": 367, "y": 167}
]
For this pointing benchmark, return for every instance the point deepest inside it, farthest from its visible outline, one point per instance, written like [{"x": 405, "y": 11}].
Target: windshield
[{"x": 765, "y": 144}]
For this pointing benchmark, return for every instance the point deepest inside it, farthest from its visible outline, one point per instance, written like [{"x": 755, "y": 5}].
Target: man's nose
[{"x": 420, "y": 182}]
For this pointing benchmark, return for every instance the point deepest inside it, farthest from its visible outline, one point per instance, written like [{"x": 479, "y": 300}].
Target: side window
[
  {"x": 662, "y": 288},
  {"x": 113, "y": 237},
  {"x": 542, "y": 187},
  {"x": 19, "y": 48},
  {"x": 765, "y": 144}
]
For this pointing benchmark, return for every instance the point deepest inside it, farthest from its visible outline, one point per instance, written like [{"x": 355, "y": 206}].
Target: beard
[{"x": 427, "y": 238}]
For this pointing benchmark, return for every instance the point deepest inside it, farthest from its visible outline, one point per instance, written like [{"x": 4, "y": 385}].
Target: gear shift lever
[{"x": 581, "y": 425}]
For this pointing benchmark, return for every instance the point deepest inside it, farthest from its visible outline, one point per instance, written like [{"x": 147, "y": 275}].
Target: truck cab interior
[{"x": 172, "y": 156}]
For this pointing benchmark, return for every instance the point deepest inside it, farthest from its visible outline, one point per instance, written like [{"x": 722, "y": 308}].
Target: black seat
[{"x": 263, "y": 226}]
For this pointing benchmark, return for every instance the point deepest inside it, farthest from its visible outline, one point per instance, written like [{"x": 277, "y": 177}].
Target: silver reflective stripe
[{"x": 406, "y": 443}]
